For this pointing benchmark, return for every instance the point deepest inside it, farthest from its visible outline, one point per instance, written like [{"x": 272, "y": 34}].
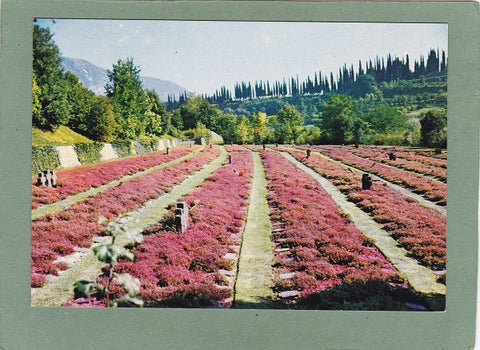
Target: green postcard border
[{"x": 25, "y": 327}]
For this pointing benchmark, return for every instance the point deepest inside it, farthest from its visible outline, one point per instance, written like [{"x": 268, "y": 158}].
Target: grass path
[
  {"x": 64, "y": 203},
  {"x": 421, "y": 278},
  {"x": 254, "y": 277},
  {"x": 421, "y": 200},
  {"x": 58, "y": 290}
]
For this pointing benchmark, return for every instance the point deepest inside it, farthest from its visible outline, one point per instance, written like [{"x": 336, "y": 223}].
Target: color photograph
[{"x": 239, "y": 165}]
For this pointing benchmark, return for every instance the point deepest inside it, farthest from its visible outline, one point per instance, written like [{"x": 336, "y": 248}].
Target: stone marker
[
  {"x": 181, "y": 217},
  {"x": 286, "y": 276},
  {"x": 230, "y": 256},
  {"x": 54, "y": 178},
  {"x": 289, "y": 294},
  {"x": 366, "y": 182},
  {"x": 48, "y": 175}
]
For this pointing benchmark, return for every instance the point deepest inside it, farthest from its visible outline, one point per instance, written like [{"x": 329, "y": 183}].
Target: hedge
[
  {"x": 88, "y": 152},
  {"x": 146, "y": 144},
  {"x": 43, "y": 158},
  {"x": 122, "y": 147}
]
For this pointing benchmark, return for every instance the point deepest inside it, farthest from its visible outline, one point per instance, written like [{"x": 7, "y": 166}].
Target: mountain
[{"x": 95, "y": 78}]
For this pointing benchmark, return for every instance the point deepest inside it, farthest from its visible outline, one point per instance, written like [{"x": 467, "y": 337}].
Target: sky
[{"x": 203, "y": 56}]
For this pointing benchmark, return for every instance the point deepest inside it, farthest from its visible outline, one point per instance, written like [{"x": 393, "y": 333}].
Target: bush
[
  {"x": 88, "y": 152},
  {"x": 146, "y": 144},
  {"x": 43, "y": 158},
  {"x": 122, "y": 147}
]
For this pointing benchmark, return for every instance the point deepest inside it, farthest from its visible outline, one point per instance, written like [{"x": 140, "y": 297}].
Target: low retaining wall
[{"x": 66, "y": 156}]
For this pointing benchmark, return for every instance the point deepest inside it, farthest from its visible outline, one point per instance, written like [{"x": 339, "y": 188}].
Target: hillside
[
  {"x": 415, "y": 96},
  {"x": 61, "y": 136},
  {"x": 95, "y": 78}
]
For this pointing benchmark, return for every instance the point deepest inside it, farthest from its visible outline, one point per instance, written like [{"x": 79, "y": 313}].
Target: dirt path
[
  {"x": 59, "y": 289},
  {"x": 64, "y": 203},
  {"x": 254, "y": 277},
  {"x": 421, "y": 279}
]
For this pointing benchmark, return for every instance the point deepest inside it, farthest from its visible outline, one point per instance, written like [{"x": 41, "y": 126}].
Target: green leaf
[
  {"x": 105, "y": 253},
  {"x": 135, "y": 236},
  {"x": 82, "y": 288},
  {"x": 128, "y": 301},
  {"x": 132, "y": 285}
]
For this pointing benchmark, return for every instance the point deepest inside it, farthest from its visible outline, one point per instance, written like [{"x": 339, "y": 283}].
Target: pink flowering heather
[
  {"x": 368, "y": 152},
  {"x": 420, "y": 230},
  {"x": 324, "y": 246},
  {"x": 181, "y": 269},
  {"x": 433, "y": 190},
  {"x": 417, "y": 155},
  {"x": 79, "y": 179},
  {"x": 58, "y": 234}
]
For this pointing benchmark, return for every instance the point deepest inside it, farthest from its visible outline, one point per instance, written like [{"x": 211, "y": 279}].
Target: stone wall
[{"x": 69, "y": 158}]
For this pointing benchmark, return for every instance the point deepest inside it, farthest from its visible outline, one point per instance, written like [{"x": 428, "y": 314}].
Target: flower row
[
  {"x": 315, "y": 240},
  {"x": 182, "y": 269},
  {"x": 58, "y": 234},
  {"x": 407, "y": 164},
  {"x": 420, "y": 230},
  {"x": 432, "y": 190},
  {"x": 79, "y": 179}
]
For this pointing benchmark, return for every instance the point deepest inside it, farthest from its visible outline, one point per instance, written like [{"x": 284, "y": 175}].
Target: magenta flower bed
[
  {"x": 58, "y": 234},
  {"x": 432, "y": 190},
  {"x": 82, "y": 178},
  {"x": 420, "y": 230},
  {"x": 417, "y": 155},
  {"x": 181, "y": 269},
  {"x": 406, "y": 164},
  {"x": 325, "y": 247}
]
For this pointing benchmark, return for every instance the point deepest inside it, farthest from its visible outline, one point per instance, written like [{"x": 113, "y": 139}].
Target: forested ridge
[{"x": 382, "y": 101}]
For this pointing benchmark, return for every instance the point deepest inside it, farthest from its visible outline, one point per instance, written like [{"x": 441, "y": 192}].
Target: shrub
[
  {"x": 88, "y": 152},
  {"x": 43, "y": 158},
  {"x": 146, "y": 144},
  {"x": 122, "y": 147}
]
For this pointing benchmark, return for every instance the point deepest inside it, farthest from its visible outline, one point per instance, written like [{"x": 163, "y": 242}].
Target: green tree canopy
[
  {"x": 433, "y": 130},
  {"x": 288, "y": 124},
  {"x": 258, "y": 122},
  {"x": 226, "y": 124},
  {"x": 129, "y": 100},
  {"x": 196, "y": 109},
  {"x": 243, "y": 132},
  {"x": 52, "y": 109},
  {"x": 339, "y": 119}
]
